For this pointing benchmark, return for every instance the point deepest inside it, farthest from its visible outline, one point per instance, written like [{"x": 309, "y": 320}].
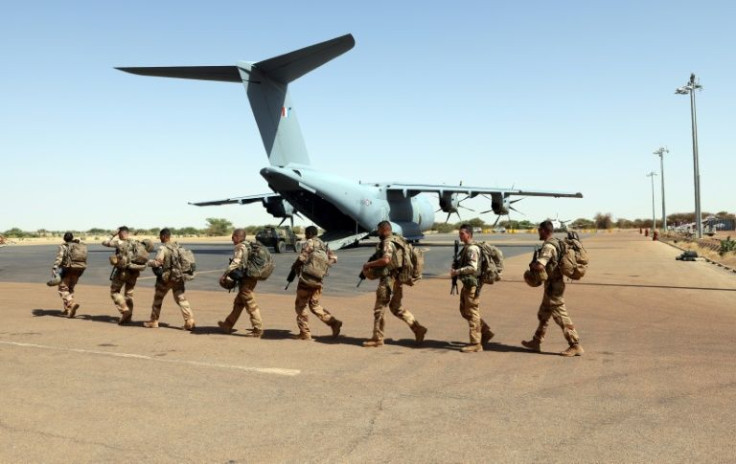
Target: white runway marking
[{"x": 261, "y": 370}]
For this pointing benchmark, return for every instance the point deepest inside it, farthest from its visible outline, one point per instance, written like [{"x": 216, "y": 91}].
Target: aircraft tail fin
[{"x": 267, "y": 84}]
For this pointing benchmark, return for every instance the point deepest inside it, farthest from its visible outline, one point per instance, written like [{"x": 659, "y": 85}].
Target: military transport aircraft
[{"x": 348, "y": 211}]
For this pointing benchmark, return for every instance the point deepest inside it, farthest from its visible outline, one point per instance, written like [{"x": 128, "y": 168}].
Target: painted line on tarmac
[{"x": 260, "y": 370}]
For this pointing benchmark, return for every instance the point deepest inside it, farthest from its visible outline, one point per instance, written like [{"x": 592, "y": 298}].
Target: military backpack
[
  {"x": 180, "y": 263},
  {"x": 133, "y": 254},
  {"x": 260, "y": 264},
  {"x": 408, "y": 261},
  {"x": 317, "y": 265},
  {"x": 491, "y": 263},
  {"x": 75, "y": 255},
  {"x": 572, "y": 258}
]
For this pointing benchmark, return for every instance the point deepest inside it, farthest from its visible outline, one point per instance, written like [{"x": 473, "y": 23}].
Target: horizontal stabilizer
[
  {"x": 291, "y": 66},
  {"x": 237, "y": 200},
  {"x": 203, "y": 73}
]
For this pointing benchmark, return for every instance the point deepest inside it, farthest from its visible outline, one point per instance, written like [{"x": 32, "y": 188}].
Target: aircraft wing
[
  {"x": 410, "y": 190},
  {"x": 237, "y": 200}
]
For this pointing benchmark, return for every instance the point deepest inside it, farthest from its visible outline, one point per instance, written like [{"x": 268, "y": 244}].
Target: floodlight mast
[
  {"x": 661, "y": 151},
  {"x": 690, "y": 88},
  {"x": 654, "y": 220}
]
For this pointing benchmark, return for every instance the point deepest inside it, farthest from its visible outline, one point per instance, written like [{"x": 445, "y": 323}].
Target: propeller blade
[{"x": 465, "y": 207}]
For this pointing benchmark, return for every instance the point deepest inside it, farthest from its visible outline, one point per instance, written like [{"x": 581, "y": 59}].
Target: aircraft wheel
[{"x": 280, "y": 247}]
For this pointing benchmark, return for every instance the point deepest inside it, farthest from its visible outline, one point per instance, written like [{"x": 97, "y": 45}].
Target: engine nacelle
[
  {"x": 449, "y": 202},
  {"x": 278, "y": 207},
  {"x": 500, "y": 204}
]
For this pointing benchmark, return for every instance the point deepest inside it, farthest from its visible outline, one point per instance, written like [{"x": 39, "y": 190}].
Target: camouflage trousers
[
  {"x": 177, "y": 289},
  {"x": 389, "y": 294},
  {"x": 553, "y": 306},
  {"x": 246, "y": 300},
  {"x": 123, "y": 299},
  {"x": 66, "y": 287},
  {"x": 309, "y": 296},
  {"x": 469, "y": 310}
]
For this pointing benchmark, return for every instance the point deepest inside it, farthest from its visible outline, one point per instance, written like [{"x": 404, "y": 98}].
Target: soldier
[
  {"x": 245, "y": 298},
  {"x": 311, "y": 266},
  {"x": 122, "y": 277},
  {"x": 553, "y": 302},
  {"x": 389, "y": 291},
  {"x": 468, "y": 272},
  {"x": 168, "y": 278},
  {"x": 69, "y": 275}
]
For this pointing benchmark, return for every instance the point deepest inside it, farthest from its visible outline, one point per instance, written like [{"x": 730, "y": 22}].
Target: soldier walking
[
  {"x": 70, "y": 270},
  {"x": 311, "y": 266},
  {"x": 245, "y": 298},
  {"x": 121, "y": 275},
  {"x": 553, "y": 301},
  {"x": 468, "y": 272},
  {"x": 389, "y": 292},
  {"x": 168, "y": 277}
]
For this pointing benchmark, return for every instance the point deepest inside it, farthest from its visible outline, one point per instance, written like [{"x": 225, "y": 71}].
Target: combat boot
[
  {"x": 335, "y": 325},
  {"x": 73, "y": 312},
  {"x": 573, "y": 350},
  {"x": 225, "y": 327},
  {"x": 255, "y": 333},
  {"x": 472, "y": 348},
  {"x": 65, "y": 312},
  {"x": 486, "y": 337},
  {"x": 373, "y": 343},
  {"x": 189, "y": 324},
  {"x": 302, "y": 336},
  {"x": 125, "y": 317},
  {"x": 533, "y": 344},
  {"x": 152, "y": 324},
  {"x": 419, "y": 332}
]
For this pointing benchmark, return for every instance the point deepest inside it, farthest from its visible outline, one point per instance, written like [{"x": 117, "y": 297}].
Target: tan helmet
[
  {"x": 148, "y": 244},
  {"x": 55, "y": 280},
  {"x": 228, "y": 283},
  {"x": 532, "y": 279}
]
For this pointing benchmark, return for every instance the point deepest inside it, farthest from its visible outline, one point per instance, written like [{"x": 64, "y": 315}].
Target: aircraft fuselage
[{"x": 336, "y": 203}]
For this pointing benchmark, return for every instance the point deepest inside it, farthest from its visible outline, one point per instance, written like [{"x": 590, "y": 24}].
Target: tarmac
[{"x": 656, "y": 383}]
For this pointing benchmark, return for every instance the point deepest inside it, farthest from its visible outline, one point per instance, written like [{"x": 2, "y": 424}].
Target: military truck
[{"x": 278, "y": 238}]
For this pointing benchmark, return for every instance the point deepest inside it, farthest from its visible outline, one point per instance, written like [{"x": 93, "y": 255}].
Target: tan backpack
[
  {"x": 317, "y": 265},
  {"x": 75, "y": 256},
  {"x": 572, "y": 258},
  {"x": 408, "y": 260}
]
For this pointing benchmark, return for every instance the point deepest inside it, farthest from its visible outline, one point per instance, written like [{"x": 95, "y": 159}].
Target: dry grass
[{"x": 707, "y": 248}]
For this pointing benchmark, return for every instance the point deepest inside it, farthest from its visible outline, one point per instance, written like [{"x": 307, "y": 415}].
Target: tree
[
  {"x": 582, "y": 223},
  {"x": 603, "y": 221},
  {"x": 218, "y": 226}
]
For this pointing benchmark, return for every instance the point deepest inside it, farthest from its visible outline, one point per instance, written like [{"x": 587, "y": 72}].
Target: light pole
[
  {"x": 661, "y": 151},
  {"x": 654, "y": 220},
  {"x": 690, "y": 88}
]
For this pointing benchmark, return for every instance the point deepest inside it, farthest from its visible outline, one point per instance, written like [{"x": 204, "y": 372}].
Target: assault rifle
[
  {"x": 374, "y": 256},
  {"x": 455, "y": 265},
  {"x": 290, "y": 278}
]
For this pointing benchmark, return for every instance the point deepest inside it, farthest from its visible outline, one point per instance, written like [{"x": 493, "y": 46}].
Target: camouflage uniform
[
  {"x": 553, "y": 302},
  {"x": 308, "y": 292},
  {"x": 244, "y": 299},
  {"x": 69, "y": 278},
  {"x": 468, "y": 273},
  {"x": 168, "y": 282},
  {"x": 122, "y": 278},
  {"x": 389, "y": 293}
]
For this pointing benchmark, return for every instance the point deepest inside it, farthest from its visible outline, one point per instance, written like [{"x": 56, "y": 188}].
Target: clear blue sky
[{"x": 540, "y": 95}]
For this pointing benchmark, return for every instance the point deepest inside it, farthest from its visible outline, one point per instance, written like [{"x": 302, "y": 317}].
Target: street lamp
[
  {"x": 690, "y": 88},
  {"x": 661, "y": 151},
  {"x": 654, "y": 221}
]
